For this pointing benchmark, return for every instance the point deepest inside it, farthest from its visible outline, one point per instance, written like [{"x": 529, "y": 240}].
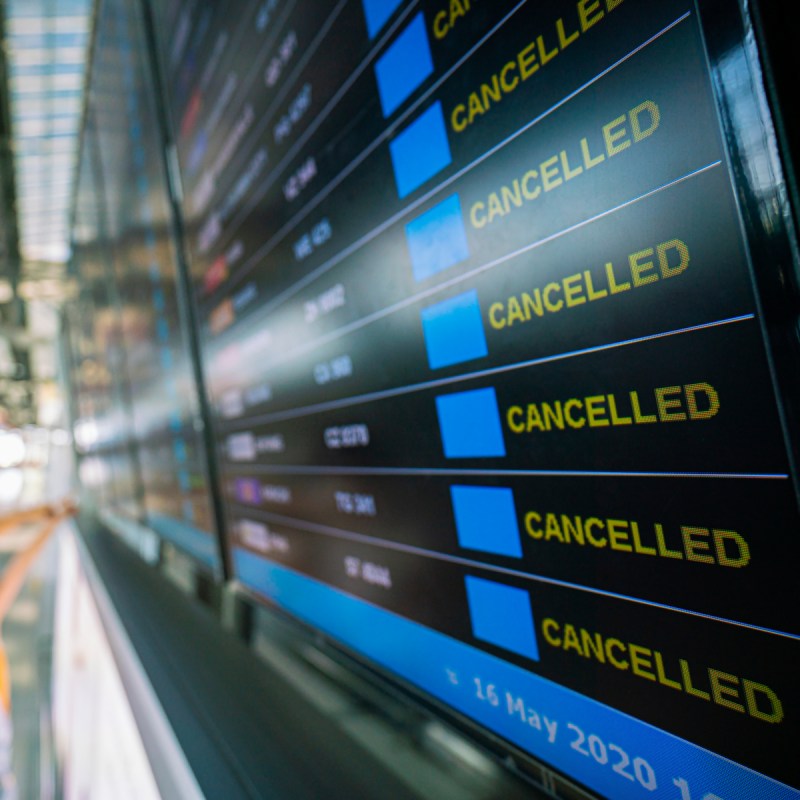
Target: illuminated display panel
[
  {"x": 107, "y": 467},
  {"x": 491, "y": 395},
  {"x": 164, "y": 398}
]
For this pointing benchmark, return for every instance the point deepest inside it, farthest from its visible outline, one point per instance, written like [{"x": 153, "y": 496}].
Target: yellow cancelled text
[
  {"x": 691, "y": 402},
  {"x": 619, "y": 134},
  {"x": 520, "y": 66},
  {"x": 641, "y": 268},
  {"x": 711, "y": 685},
  {"x": 700, "y": 545},
  {"x": 446, "y": 19}
]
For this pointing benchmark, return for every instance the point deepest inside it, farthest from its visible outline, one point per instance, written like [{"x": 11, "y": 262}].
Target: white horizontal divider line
[
  {"x": 339, "y": 533},
  {"x": 310, "y": 469},
  {"x": 303, "y": 411}
]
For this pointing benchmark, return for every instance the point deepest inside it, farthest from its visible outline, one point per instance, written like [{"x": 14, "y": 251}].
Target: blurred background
[{"x": 42, "y": 84}]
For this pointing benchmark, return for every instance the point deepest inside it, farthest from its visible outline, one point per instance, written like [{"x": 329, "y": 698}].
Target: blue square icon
[
  {"x": 404, "y": 66},
  {"x": 501, "y": 615},
  {"x": 420, "y": 151},
  {"x": 486, "y": 519},
  {"x": 437, "y": 239},
  {"x": 469, "y": 423},
  {"x": 454, "y": 330},
  {"x": 377, "y": 13}
]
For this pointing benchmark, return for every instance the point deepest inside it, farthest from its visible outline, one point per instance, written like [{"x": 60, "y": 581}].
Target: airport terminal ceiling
[
  {"x": 42, "y": 68},
  {"x": 463, "y": 333}
]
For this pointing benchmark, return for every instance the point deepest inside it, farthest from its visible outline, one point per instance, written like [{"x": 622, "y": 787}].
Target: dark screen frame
[{"x": 730, "y": 29}]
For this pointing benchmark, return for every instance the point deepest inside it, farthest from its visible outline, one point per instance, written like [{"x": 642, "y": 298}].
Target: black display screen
[{"x": 491, "y": 391}]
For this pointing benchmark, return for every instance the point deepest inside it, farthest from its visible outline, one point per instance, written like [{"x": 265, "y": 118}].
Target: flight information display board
[
  {"x": 491, "y": 392},
  {"x": 165, "y": 408}
]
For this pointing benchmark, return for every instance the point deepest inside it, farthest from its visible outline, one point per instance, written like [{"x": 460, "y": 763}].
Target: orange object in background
[{"x": 13, "y": 576}]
